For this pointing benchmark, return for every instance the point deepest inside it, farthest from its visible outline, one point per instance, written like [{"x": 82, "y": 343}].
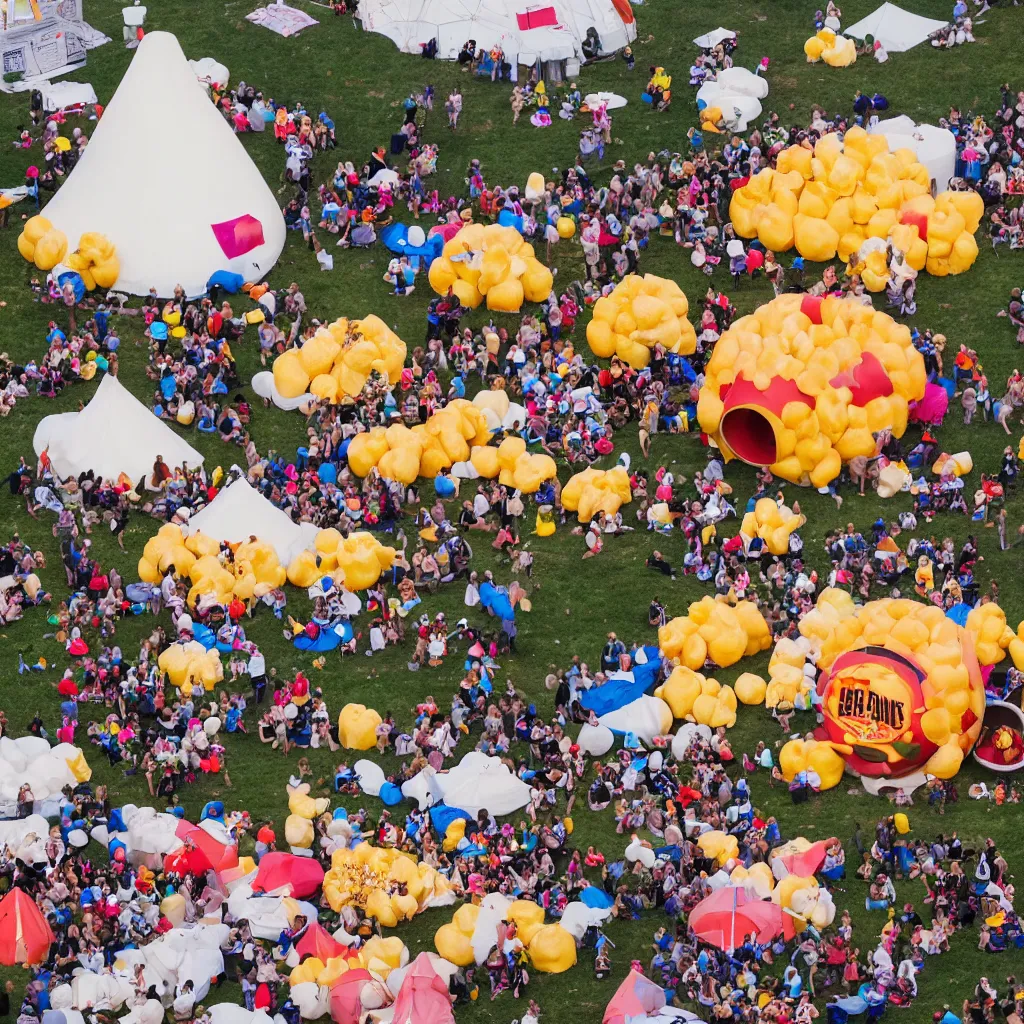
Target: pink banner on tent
[
  {"x": 543, "y": 17},
  {"x": 238, "y": 236}
]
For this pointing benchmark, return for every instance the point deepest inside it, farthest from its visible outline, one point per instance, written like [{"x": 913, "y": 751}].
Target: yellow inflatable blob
[
  {"x": 357, "y": 727},
  {"x": 491, "y": 262},
  {"x": 640, "y": 313}
]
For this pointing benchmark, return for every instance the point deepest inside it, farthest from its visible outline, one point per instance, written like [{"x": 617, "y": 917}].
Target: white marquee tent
[
  {"x": 896, "y": 29},
  {"x": 525, "y": 31},
  {"x": 240, "y": 512},
  {"x": 115, "y": 433},
  {"x": 935, "y": 147},
  {"x": 177, "y": 215}
]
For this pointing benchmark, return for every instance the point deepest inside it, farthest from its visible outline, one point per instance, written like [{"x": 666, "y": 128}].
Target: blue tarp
[
  {"x": 595, "y": 898},
  {"x": 396, "y": 238},
  {"x": 624, "y": 687}
]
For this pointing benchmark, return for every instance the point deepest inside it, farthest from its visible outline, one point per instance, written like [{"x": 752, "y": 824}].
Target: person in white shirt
[{"x": 257, "y": 669}]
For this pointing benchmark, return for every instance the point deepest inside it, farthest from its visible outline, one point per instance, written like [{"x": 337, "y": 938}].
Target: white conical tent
[
  {"x": 114, "y": 434},
  {"x": 896, "y": 29},
  {"x": 240, "y": 512},
  {"x": 165, "y": 178}
]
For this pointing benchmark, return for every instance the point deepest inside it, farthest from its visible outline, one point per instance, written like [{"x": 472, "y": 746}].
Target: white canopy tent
[
  {"x": 713, "y": 38},
  {"x": 935, "y": 147},
  {"x": 525, "y": 32},
  {"x": 896, "y": 29},
  {"x": 240, "y": 512},
  {"x": 175, "y": 218},
  {"x": 114, "y": 434}
]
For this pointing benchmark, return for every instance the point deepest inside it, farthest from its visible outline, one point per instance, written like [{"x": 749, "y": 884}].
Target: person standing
[
  {"x": 258, "y": 675},
  {"x": 1001, "y": 529}
]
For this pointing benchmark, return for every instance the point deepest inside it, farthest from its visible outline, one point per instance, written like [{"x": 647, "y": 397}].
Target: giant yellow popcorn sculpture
[
  {"x": 373, "y": 877},
  {"x": 339, "y": 358},
  {"x": 640, "y": 313},
  {"x": 832, "y": 199},
  {"x": 801, "y": 384},
  {"x": 490, "y": 261}
]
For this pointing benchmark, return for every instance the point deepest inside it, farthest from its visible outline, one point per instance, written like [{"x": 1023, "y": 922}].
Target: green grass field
[{"x": 360, "y": 80}]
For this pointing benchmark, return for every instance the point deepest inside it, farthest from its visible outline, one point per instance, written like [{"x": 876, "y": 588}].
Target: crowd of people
[{"x": 128, "y": 711}]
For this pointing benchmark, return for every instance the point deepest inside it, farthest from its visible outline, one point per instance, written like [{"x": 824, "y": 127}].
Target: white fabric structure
[
  {"x": 240, "y": 512},
  {"x": 115, "y": 433},
  {"x": 738, "y": 93},
  {"x": 40, "y": 48},
  {"x": 371, "y": 776},
  {"x": 216, "y": 213},
  {"x": 62, "y": 95},
  {"x": 209, "y": 71},
  {"x": 611, "y": 100},
  {"x": 896, "y": 29},
  {"x": 31, "y": 759},
  {"x": 578, "y": 917},
  {"x": 268, "y": 916},
  {"x": 713, "y": 38},
  {"x": 646, "y": 717},
  {"x": 525, "y": 32},
  {"x": 935, "y": 147},
  {"x": 232, "y": 1013},
  {"x": 424, "y": 788},
  {"x": 182, "y": 954},
  {"x": 480, "y": 781},
  {"x": 26, "y": 837}
]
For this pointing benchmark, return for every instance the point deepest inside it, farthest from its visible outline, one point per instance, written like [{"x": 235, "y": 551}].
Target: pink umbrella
[
  {"x": 789, "y": 859},
  {"x": 636, "y": 997},
  {"x": 726, "y": 917}
]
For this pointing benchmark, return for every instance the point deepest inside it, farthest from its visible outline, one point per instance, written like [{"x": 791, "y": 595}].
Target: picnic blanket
[{"x": 282, "y": 19}]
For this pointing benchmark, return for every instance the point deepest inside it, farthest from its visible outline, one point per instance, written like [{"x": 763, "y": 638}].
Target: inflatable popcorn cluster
[
  {"x": 490, "y": 261},
  {"x": 597, "y": 490},
  {"x": 339, "y": 358},
  {"x": 373, "y": 878},
  {"x": 713, "y": 630},
  {"x": 640, "y": 313},
  {"x": 835, "y": 50},
  {"x": 458, "y": 433},
  {"x": 801, "y": 384},
  {"x": 832, "y": 199}
]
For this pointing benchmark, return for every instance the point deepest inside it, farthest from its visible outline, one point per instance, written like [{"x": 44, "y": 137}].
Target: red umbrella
[
  {"x": 726, "y": 917},
  {"x": 25, "y": 937},
  {"x": 67, "y": 687},
  {"x": 278, "y": 870}
]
